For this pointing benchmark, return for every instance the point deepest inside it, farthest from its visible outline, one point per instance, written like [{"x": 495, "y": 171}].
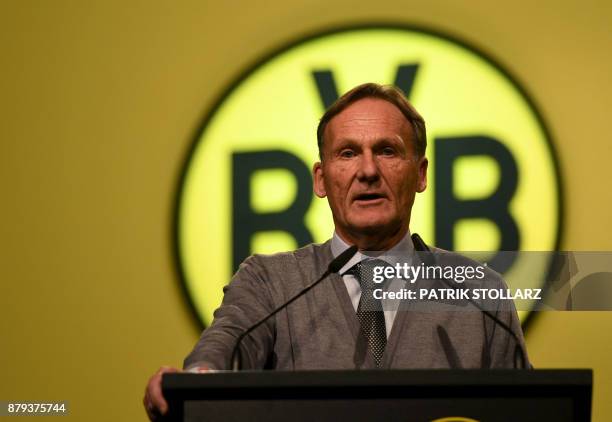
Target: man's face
[{"x": 369, "y": 172}]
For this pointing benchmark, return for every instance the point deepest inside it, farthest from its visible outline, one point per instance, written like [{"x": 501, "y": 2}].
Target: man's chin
[{"x": 373, "y": 228}]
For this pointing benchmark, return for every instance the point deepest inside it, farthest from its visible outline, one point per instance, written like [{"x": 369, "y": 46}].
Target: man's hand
[{"x": 154, "y": 402}]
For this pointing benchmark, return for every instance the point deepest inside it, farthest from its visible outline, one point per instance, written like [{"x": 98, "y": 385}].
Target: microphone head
[
  {"x": 419, "y": 245},
  {"x": 341, "y": 260},
  {"x": 424, "y": 252}
]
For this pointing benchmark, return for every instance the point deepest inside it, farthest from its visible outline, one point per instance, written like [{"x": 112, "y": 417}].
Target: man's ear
[
  {"x": 422, "y": 175},
  {"x": 318, "y": 180}
]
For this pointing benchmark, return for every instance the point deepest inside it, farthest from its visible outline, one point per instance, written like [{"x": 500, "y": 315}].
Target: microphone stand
[{"x": 519, "y": 353}]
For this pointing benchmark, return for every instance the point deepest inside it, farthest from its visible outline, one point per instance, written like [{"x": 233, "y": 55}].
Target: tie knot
[{"x": 365, "y": 272}]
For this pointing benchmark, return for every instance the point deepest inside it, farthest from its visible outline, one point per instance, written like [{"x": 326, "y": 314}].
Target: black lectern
[{"x": 373, "y": 395}]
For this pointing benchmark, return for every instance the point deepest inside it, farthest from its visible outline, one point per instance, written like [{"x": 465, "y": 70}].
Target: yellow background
[
  {"x": 278, "y": 106},
  {"x": 99, "y": 104}
]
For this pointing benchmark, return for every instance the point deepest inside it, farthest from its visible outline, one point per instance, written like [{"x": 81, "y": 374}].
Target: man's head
[
  {"x": 388, "y": 93},
  {"x": 372, "y": 147}
]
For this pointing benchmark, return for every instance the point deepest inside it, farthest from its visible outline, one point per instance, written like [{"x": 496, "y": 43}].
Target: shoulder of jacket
[{"x": 311, "y": 251}]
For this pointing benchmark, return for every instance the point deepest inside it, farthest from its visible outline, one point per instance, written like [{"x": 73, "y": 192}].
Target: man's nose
[{"x": 368, "y": 167}]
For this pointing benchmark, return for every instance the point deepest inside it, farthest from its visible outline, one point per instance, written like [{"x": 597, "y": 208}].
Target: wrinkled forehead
[{"x": 369, "y": 119}]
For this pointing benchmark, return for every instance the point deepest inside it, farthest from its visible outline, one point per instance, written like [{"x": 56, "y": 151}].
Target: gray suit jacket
[{"x": 321, "y": 330}]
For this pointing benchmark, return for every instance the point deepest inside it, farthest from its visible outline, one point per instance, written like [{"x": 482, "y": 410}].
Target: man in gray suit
[{"x": 372, "y": 163}]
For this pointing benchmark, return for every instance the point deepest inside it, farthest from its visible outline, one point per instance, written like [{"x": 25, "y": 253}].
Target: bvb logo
[{"x": 247, "y": 188}]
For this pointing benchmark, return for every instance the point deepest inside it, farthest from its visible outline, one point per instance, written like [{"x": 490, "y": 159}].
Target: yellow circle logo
[{"x": 247, "y": 187}]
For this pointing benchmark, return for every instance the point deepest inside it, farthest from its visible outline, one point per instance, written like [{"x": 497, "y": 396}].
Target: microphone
[
  {"x": 333, "y": 267},
  {"x": 430, "y": 260}
]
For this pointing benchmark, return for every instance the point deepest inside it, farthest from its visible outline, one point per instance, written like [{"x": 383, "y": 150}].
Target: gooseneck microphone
[
  {"x": 333, "y": 267},
  {"x": 519, "y": 353}
]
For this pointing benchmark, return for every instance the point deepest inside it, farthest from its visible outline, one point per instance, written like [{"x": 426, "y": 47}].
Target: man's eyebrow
[
  {"x": 344, "y": 142},
  {"x": 393, "y": 139},
  {"x": 351, "y": 141}
]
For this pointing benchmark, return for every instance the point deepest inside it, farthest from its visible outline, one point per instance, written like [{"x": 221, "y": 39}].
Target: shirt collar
[{"x": 399, "y": 253}]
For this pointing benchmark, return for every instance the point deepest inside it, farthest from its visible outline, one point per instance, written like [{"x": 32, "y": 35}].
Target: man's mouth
[{"x": 369, "y": 197}]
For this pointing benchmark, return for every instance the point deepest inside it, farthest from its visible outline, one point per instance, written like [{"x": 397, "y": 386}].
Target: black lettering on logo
[
  {"x": 449, "y": 209},
  {"x": 328, "y": 91},
  {"x": 246, "y": 221}
]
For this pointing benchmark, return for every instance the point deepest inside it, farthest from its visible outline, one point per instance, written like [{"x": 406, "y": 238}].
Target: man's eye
[
  {"x": 347, "y": 153},
  {"x": 388, "y": 151}
]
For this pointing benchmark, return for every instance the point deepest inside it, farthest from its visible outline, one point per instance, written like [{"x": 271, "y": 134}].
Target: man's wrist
[{"x": 200, "y": 367}]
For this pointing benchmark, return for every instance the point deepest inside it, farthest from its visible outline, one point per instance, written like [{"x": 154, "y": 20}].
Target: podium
[{"x": 385, "y": 395}]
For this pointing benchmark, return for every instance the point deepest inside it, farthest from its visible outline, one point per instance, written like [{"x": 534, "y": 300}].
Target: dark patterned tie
[{"x": 370, "y": 312}]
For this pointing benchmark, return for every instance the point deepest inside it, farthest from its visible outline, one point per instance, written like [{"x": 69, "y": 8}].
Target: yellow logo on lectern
[
  {"x": 247, "y": 188},
  {"x": 455, "y": 419}
]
